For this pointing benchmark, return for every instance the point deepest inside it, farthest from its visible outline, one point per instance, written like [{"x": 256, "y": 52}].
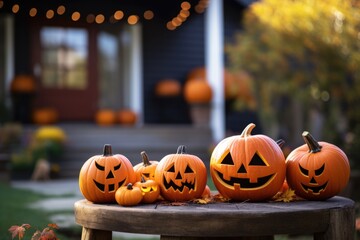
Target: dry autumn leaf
[
  {"x": 287, "y": 196},
  {"x": 18, "y": 231}
]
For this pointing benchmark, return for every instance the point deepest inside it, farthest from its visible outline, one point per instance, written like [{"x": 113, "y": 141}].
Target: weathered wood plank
[{"x": 223, "y": 219}]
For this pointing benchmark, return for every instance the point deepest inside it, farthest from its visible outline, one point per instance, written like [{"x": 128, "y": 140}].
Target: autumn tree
[{"x": 304, "y": 56}]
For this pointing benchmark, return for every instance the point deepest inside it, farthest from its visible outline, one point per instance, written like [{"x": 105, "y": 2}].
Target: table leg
[
  {"x": 94, "y": 234},
  {"x": 341, "y": 225}
]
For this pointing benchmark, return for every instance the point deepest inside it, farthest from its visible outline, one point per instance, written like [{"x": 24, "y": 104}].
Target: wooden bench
[{"x": 333, "y": 219}]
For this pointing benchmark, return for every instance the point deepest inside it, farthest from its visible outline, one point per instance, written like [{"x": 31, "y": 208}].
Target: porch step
[{"x": 84, "y": 141}]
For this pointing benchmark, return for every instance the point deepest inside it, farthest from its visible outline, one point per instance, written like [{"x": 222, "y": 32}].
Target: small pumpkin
[
  {"x": 105, "y": 117},
  {"x": 181, "y": 176},
  {"x": 206, "y": 193},
  {"x": 23, "y": 83},
  {"x": 145, "y": 169},
  {"x": 248, "y": 167},
  {"x": 150, "y": 190},
  {"x": 168, "y": 88},
  {"x": 102, "y": 175},
  {"x": 45, "y": 116},
  {"x": 317, "y": 170},
  {"x": 128, "y": 195},
  {"x": 127, "y": 117},
  {"x": 197, "y": 91},
  {"x": 196, "y": 73}
]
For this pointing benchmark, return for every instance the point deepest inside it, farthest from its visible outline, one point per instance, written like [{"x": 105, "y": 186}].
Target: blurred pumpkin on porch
[
  {"x": 23, "y": 83},
  {"x": 127, "y": 117},
  {"x": 105, "y": 117}
]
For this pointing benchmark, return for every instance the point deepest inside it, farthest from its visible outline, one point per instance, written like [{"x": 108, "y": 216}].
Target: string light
[
  {"x": 133, "y": 19},
  {"x": 15, "y": 8},
  {"x": 33, "y": 12},
  {"x": 118, "y": 15},
  {"x": 61, "y": 10},
  {"x": 50, "y": 14},
  {"x": 75, "y": 16}
]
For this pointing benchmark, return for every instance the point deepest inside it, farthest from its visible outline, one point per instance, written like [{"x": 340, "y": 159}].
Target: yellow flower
[{"x": 50, "y": 133}]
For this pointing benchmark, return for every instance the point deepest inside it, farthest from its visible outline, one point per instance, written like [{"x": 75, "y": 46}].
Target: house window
[{"x": 64, "y": 57}]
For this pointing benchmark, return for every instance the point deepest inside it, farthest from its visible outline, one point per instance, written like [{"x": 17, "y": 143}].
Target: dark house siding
[{"x": 170, "y": 54}]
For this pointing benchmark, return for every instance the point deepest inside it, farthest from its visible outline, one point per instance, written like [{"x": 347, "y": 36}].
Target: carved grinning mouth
[
  {"x": 315, "y": 190},
  {"x": 111, "y": 187},
  {"x": 171, "y": 184},
  {"x": 245, "y": 182}
]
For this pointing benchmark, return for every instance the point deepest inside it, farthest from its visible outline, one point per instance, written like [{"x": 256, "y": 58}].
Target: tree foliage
[{"x": 303, "y": 50}]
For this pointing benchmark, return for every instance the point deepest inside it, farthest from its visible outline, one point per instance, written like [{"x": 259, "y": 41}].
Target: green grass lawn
[{"x": 14, "y": 210}]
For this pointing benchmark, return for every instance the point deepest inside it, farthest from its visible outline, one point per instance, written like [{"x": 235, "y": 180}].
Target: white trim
[
  {"x": 9, "y": 55},
  {"x": 214, "y": 61},
  {"x": 136, "y": 70}
]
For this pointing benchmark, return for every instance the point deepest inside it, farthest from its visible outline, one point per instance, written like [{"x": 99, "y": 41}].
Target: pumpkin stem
[
  {"x": 280, "y": 142},
  {"x": 313, "y": 145},
  {"x": 181, "y": 149},
  {"x": 107, "y": 150},
  {"x": 129, "y": 186},
  {"x": 145, "y": 159},
  {"x": 247, "y": 131}
]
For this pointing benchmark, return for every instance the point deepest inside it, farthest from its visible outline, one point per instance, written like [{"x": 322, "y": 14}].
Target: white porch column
[
  {"x": 9, "y": 56},
  {"x": 214, "y": 61},
  {"x": 136, "y": 76}
]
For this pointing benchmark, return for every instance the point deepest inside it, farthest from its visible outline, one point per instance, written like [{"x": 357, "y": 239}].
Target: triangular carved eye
[
  {"x": 227, "y": 160},
  {"x": 171, "y": 169},
  {"x": 257, "y": 161},
  {"x": 188, "y": 169}
]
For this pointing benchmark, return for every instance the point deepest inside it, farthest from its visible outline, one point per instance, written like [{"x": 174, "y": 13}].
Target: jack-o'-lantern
[
  {"x": 146, "y": 169},
  {"x": 150, "y": 190},
  {"x": 317, "y": 170},
  {"x": 102, "y": 175},
  {"x": 181, "y": 176},
  {"x": 247, "y": 167}
]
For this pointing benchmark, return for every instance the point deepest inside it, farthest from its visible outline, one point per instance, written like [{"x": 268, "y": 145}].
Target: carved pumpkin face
[
  {"x": 150, "y": 190},
  {"x": 101, "y": 176},
  {"x": 181, "y": 176},
  {"x": 146, "y": 169},
  {"x": 317, "y": 170},
  {"x": 246, "y": 167}
]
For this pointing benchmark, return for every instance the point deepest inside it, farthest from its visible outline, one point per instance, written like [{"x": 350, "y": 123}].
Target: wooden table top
[{"x": 213, "y": 219}]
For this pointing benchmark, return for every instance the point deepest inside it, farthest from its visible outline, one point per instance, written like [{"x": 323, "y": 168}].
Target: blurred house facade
[{"x": 87, "y": 55}]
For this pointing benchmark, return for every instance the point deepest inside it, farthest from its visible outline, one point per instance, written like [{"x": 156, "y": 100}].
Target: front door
[{"x": 65, "y": 67}]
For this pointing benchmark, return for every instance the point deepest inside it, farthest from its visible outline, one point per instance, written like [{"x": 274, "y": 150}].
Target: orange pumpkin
[
  {"x": 105, "y": 117},
  {"x": 102, "y": 175},
  {"x": 127, "y": 117},
  {"x": 128, "y": 195},
  {"x": 150, "y": 190},
  {"x": 181, "y": 176},
  {"x": 247, "y": 167},
  {"x": 196, "y": 73},
  {"x": 206, "y": 193},
  {"x": 168, "y": 88},
  {"x": 45, "y": 116},
  {"x": 317, "y": 170},
  {"x": 146, "y": 169},
  {"x": 197, "y": 91},
  {"x": 23, "y": 83}
]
